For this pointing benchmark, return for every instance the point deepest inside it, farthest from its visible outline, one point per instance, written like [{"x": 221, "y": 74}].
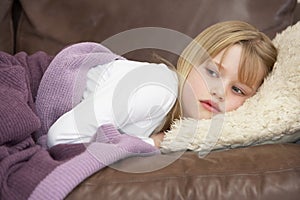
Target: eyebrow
[{"x": 220, "y": 66}]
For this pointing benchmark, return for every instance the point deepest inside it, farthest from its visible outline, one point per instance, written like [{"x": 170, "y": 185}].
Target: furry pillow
[{"x": 270, "y": 116}]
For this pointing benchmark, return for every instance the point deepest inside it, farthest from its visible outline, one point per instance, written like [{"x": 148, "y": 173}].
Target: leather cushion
[{"x": 259, "y": 172}]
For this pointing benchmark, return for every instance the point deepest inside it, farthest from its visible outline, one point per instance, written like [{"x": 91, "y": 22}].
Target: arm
[
  {"x": 143, "y": 98},
  {"x": 134, "y": 100}
]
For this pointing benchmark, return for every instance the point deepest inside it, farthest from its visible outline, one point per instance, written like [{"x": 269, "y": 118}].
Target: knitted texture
[
  {"x": 109, "y": 147},
  {"x": 29, "y": 170},
  {"x": 23, "y": 164},
  {"x": 64, "y": 82},
  {"x": 15, "y": 97}
]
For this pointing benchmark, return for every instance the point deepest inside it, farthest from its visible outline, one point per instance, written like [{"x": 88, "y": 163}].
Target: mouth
[{"x": 210, "y": 106}]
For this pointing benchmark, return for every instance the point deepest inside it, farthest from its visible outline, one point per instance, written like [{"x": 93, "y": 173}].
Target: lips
[{"x": 210, "y": 106}]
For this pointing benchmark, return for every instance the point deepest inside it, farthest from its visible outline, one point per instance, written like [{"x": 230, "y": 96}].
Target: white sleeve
[
  {"x": 148, "y": 103},
  {"x": 75, "y": 126},
  {"x": 135, "y": 103}
]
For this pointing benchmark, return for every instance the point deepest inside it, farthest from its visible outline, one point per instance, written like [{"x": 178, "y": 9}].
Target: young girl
[{"x": 216, "y": 73}]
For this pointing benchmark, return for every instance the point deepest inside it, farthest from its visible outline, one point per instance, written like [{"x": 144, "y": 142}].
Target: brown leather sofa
[{"x": 260, "y": 172}]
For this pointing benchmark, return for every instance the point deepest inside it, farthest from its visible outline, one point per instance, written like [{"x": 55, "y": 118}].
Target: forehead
[
  {"x": 228, "y": 60},
  {"x": 239, "y": 65}
]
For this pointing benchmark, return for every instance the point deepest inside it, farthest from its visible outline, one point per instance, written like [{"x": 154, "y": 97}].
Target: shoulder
[
  {"x": 143, "y": 73},
  {"x": 147, "y": 79},
  {"x": 146, "y": 89}
]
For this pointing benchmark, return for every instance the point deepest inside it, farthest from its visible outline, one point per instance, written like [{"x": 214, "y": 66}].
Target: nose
[
  {"x": 218, "y": 93},
  {"x": 216, "y": 88}
]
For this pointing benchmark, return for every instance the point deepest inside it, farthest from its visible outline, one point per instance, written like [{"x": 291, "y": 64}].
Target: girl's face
[{"x": 213, "y": 87}]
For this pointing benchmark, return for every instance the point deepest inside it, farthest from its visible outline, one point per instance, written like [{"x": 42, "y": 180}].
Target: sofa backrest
[{"x": 50, "y": 25}]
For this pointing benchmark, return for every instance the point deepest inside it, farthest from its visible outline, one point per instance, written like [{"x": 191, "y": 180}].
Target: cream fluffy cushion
[{"x": 270, "y": 116}]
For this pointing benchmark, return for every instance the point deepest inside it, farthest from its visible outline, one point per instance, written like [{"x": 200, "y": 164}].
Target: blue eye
[
  {"x": 237, "y": 90},
  {"x": 212, "y": 73}
]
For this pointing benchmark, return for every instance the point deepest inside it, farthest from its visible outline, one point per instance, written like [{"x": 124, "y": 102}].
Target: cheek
[
  {"x": 233, "y": 102},
  {"x": 189, "y": 101},
  {"x": 197, "y": 84},
  {"x": 193, "y": 89}
]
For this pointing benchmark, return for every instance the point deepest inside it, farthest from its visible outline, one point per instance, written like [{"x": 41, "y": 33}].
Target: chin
[{"x": 205, "y": 115}]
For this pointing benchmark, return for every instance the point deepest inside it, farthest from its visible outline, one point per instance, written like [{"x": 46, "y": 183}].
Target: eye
[
  {"x": 238, "y": 90},
  {"x": 212, "y": 73}
]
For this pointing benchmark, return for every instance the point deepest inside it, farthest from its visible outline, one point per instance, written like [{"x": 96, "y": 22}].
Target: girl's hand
[{"x": 158, "y": 138}]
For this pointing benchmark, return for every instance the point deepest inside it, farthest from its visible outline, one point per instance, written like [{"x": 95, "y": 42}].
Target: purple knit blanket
[{"x": 35, "y": 91}]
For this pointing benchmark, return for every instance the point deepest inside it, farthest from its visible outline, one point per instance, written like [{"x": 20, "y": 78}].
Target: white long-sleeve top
[{"x": 134, "y": 96}]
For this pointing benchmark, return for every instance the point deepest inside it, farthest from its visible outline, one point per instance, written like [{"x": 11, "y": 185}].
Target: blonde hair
[{"x": 258, "y": 53}]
